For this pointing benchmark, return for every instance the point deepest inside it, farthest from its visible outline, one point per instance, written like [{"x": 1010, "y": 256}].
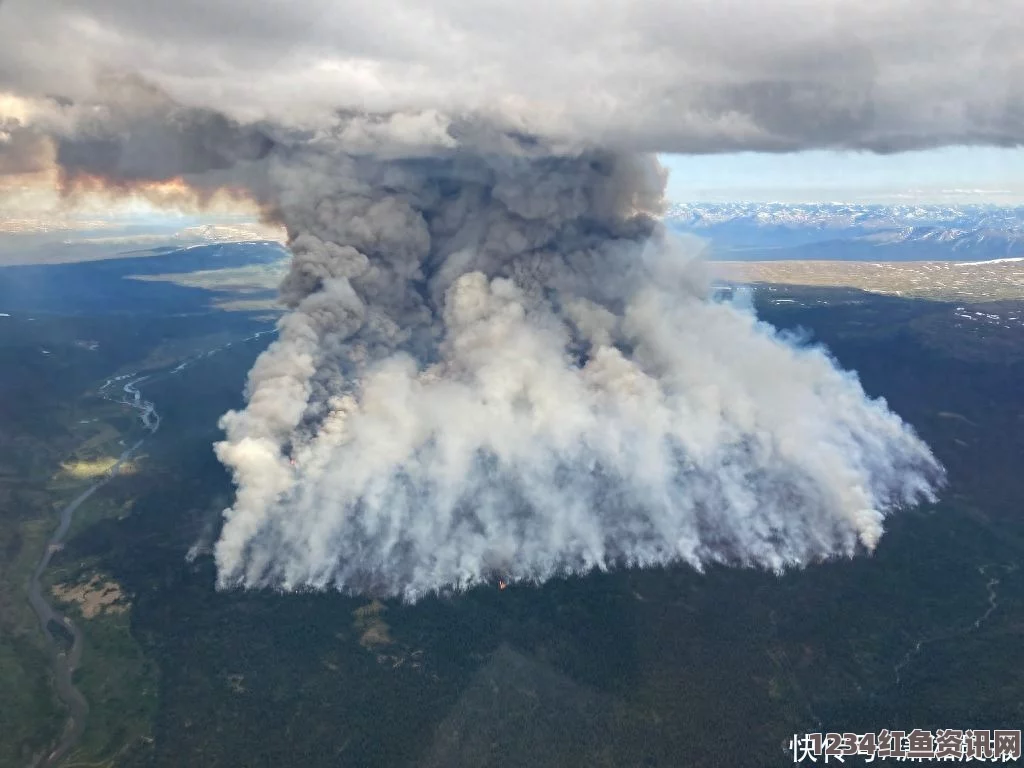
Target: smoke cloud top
[
  {"x": 496, "y": 362},
  {"x": 654, "y": 75}
]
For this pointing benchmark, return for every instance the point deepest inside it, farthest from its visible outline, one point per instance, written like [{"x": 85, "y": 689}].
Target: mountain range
[{"x": 852, "y": 232}]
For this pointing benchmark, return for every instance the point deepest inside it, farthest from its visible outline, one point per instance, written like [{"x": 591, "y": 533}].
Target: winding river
[
  {"x": 57, "y": 627},
  {"x": 65, "y": 661}
]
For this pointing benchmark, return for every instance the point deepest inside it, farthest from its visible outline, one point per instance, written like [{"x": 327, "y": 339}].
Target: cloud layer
[{"x": 659, "y": 75}]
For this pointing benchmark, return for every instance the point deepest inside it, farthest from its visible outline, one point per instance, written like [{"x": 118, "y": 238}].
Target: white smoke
[{"x": 498, "y": 363}]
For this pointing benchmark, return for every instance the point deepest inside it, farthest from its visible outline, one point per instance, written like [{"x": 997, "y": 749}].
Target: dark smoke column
[{"x": 496, "y": 361}]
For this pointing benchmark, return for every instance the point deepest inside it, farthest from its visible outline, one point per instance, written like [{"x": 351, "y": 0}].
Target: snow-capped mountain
[{"x": 762, "y": 231}]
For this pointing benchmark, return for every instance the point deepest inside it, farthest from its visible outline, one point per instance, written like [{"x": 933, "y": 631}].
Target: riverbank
[
  {"x": 64, "y": 636},
  {"x": 58, "y": 627}
]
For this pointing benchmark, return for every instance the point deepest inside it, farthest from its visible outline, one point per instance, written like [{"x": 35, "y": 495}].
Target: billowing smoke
[{"x": 497, "y": 363}]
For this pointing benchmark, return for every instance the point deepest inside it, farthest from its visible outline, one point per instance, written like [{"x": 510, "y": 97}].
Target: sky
[{"x": 987, "y": 175}]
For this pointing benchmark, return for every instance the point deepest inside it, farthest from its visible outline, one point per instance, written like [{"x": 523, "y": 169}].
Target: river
[
  {"x": 65, "y": 661},
  {"x": 122, "y": 389}
]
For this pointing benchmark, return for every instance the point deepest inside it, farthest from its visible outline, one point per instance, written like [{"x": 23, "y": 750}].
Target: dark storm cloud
[
  {"x": 696, "y": 75},
  {"x": 141, "y": 134}
]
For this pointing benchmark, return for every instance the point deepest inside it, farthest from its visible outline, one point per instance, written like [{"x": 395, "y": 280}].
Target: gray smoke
[
  {"x": 22, "y": 150},
  {"x": 498, "y": 363}
]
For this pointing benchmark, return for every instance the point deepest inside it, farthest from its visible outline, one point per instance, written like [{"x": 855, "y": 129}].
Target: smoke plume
[{"x": 497, "y": 363}]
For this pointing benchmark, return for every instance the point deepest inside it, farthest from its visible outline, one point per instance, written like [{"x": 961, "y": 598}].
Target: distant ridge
[{"x": 852, "y": 232}]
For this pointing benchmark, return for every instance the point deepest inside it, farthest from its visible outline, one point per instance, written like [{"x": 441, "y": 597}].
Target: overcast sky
[{"x": 660, "y": 75}]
